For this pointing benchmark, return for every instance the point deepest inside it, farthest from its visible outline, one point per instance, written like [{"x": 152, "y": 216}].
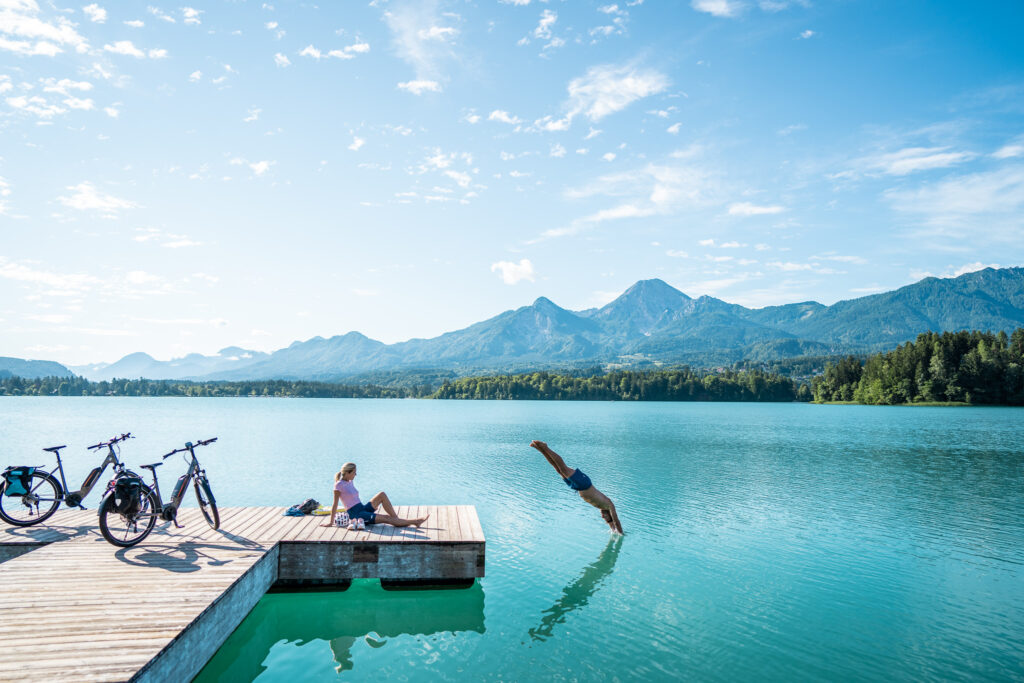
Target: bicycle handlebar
[
  {"x": 189, "y": 446},
  {"x": 123, "y": 437}
]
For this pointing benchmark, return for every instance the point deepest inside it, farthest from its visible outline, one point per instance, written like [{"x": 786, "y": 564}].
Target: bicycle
[
  {"x": 131, "y": 508},
  {"x": 30, "y": 495}
]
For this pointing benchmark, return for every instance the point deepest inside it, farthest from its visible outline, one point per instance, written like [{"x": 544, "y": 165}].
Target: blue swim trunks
[
  {"x": 363, "y": 511},
  {"x": 578, "y": 481}
]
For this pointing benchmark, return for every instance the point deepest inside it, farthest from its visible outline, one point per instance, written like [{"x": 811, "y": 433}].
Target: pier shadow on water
[
  {"x": 281, "y": 623},
  {"x": 578, "y": 593}
]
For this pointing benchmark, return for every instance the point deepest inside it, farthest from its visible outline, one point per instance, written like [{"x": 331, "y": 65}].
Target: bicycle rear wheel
[
  {"x": 126, "y": 530},
  {"x": 41, "y": 501},
  {"x": 207, "y": 504}
]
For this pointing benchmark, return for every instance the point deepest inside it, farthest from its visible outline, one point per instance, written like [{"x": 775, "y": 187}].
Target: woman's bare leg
[
  {"x": 554, "y": 458},
  {"x": 398, "y": 521},
  {"x": 382, "y": 499}
]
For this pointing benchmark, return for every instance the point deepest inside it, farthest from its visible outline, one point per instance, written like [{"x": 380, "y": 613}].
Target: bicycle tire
[
  {"x": 13, "y": 506},
  {"x": 124, "y": 532},
  {"x": 207, "y": 504}
]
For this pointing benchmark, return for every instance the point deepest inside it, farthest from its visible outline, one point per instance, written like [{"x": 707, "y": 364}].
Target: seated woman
[{"x": 345, "y": 491}]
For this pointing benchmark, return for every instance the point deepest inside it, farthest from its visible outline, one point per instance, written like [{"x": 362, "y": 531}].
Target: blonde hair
[{"x": 345, "y": 469}]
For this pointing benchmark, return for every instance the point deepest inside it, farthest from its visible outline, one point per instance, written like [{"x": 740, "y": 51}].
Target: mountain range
[{"x": 651, "y": 322}]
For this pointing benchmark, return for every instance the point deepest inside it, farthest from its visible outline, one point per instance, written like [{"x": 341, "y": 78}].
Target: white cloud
[
  {"x": 64, "y": 86},
  {"x": 195, "y": 75},
  {"x": 991, "y": 202},
  {"x": 732, "y": 245},
  {"x": 513, "y": 273},
  {"x": 608, "y": 156},
  {"x": 420, "y": 87},
  {"x": 748, "y": 209},
  {"x": 557, "y": 150},
  {"x": 86, "y": 197},
  {"x": 112, "y": 112},
  {"x": 912, "y": 159},
  {"x": 281, "y": 60},
  {"x": 518, "y": 3},
  {"x": 127, "y": 48},
  {"x": 804, "y": 35},
  {"x": 504, "y": 117},
  {"x": 180, "y": 243},
  {"x": 437, "y": 33},
  {"x": 357, "y": 142},
  {"x": 707, "y": 243},
  {"x": 76, "y": 103},
  {"x": 674, "y": 128},
  {"x": 135, "y": 23},
  {"x": 61, "y": 283},
  {"x": 422, "y": 37},
  {"x": 463, "y": 179},
  {"x": 547, "y": 20},
  {"x": 719, "y": 8},
  {"x": 1005, "y": 152},
  {"x": 604, "y": 90},
  {"x": 35, "y": 105},
  {"x": 261, "y": 167},
  {"x": 253, "y": 115},
  {"x": 676, "y": 253},
  {"x": 155, "y": 11},
  {"x": 310, "y": 51},
  {"x": 191, "y": 15},
  {"x": 96, "y": 14},
  {"x": 24, "y": 32}
]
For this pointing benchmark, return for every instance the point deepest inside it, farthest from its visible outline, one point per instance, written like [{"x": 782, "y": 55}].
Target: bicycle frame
[
  {"x": 74, "y": 498},
  {"x": 169, "y": 511}
]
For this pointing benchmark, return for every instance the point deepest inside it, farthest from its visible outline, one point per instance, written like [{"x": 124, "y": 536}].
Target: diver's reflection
[
  {"x": 365, "y": 612},
  {"x": 577, "y": 593}
]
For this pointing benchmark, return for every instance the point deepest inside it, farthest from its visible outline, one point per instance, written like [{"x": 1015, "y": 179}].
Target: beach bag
[
  {"x": 19, "y": 480},
  {"x": 307, "y": 506},
  {"x": 128, "y": 494}
]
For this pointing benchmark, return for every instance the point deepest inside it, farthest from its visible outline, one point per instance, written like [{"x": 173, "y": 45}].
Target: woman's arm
[{"x": 334, "y": 509}]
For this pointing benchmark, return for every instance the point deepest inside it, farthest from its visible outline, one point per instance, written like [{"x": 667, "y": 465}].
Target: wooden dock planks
[{"x": 76, "y": 608}]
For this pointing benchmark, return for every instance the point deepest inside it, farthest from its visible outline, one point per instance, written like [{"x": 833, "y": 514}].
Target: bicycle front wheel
[
  {"x": 124, "y": 530},
  {"x": 41, "y": 501},
  {"x": 207, "y": 504}
]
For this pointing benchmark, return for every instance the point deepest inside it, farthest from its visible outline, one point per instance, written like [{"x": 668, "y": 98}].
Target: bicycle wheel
[
  {"x": 206, "y": 502},
  {"x": 41, "y": 501},
  {"x": 127, "y": 530}
]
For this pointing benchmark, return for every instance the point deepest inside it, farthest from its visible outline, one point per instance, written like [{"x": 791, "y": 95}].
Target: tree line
[
  {"x": 959, "y": 367},
  {"x": 684, "y": 384}
]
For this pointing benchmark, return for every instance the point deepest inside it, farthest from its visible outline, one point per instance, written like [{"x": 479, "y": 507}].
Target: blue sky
[{"x": 179, "y": 179}]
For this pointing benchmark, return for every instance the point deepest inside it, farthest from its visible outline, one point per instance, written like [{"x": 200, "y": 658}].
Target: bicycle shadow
[
  {"x": 183, "y": 557},
  {"x": 45, "y": 533}
]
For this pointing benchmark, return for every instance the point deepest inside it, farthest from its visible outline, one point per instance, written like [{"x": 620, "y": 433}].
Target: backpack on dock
[
  {"x": 19, "y": 480},
  {"x": 306, "y": 507}
]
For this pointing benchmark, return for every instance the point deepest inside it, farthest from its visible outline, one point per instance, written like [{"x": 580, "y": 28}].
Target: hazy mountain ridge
[{"x": 649, "y": 322}]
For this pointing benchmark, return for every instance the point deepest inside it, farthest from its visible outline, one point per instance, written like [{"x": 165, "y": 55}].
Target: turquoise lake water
[{"x": 764, "y": 542}]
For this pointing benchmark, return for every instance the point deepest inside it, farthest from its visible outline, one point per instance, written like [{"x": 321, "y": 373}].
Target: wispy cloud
[
  {"x": 605, "y": 90},
  {"x": 420, "y": 87},
  {"x": 86, "y": 197},
  {"x": 748, "y": 209},
  {"x": 24, "y": 31},
  {"x": 424, "y": 39},
  {"x": 96, "y": 14},
  {"x": 718, "y": 8}
]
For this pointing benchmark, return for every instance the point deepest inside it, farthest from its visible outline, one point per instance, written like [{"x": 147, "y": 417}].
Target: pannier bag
[
  {"x": 19, "y": 480},
  {"x": 128, "y": 494}
]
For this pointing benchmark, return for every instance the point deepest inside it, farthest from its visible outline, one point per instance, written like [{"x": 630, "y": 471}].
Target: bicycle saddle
[
  {"x": 153, "y": 466},
  {"x": 54, "y": 449}
]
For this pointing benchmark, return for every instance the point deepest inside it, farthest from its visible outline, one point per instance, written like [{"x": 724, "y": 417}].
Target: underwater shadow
[
  {"x": 578, "y": 593},
  {"x": 363, "y": 612}
]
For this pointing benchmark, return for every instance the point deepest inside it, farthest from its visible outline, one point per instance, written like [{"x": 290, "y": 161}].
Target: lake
[{"x": 764, "y": 541}]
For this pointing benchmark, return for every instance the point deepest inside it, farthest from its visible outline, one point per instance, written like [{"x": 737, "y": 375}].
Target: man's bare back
[{"x": 581, "y": 483}]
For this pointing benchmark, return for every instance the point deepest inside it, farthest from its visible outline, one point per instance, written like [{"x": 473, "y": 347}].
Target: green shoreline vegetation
[
  {"x": 952, "y": 368},
  {"x": 661, "y": 385},
  {"x": 948, "y": 369}
]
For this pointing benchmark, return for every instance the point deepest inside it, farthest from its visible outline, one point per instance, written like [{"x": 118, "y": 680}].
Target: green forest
[
  {"x": 664, "y": 385},
  {"x": 977, "y": 368}
]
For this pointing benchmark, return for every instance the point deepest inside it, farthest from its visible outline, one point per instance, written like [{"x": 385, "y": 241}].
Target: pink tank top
[{"x": 349, "y": 495}]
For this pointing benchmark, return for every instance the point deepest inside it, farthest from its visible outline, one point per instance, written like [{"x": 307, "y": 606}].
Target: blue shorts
[
  {"x": 363, "y": 511},
  {"x": 578, "y": 481}
]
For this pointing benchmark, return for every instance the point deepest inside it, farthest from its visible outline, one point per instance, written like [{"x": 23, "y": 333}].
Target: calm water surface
[{"x": 764, "y": 542}]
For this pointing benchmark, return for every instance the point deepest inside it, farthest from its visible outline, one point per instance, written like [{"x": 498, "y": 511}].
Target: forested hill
[{"x": 960, "y": 367}]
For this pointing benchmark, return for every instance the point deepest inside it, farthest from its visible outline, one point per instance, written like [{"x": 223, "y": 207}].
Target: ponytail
[{"x": 345, "y": 469}]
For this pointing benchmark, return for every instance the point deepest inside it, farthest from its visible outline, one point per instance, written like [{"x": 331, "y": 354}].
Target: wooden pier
[{"x": 76, "y": 608}]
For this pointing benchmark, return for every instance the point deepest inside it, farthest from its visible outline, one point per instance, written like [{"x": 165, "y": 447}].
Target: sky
[{"x": 178, "y": 179}]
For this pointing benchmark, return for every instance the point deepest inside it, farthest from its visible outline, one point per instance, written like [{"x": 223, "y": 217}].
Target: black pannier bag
[
  {"x": 128, "y": 494},
  {"x": 19, "y": 480}
]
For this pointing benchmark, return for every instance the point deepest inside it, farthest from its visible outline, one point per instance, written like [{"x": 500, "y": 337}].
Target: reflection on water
[
  {"x": 579, "y": 592},
  {"x": 282, "y": 625}
]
